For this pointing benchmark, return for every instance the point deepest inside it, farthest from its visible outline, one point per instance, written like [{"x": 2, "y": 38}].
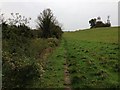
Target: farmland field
[
  {"x": 46, "y": 47},
  {"x": 81, "y": 59},
  {"x": 91, "y": 56}
]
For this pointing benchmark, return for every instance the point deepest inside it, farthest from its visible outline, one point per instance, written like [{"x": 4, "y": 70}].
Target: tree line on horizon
[
  {"x": 95, "y": 23},
  {"x": 47, "y": 26}
]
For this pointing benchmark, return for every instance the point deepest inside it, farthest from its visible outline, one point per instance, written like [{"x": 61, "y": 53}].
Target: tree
[
  {"x": 92, "y": 22},
  {"x": 47, "y": 23}
]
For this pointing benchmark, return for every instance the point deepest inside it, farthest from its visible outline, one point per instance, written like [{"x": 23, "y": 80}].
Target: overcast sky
[{"x": 72, "y": 14}]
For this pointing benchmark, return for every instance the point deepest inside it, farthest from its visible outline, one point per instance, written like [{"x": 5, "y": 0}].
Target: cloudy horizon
[{"x": 73, "y": 14}]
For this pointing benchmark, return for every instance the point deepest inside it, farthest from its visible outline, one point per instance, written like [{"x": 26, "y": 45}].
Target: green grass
[
  {"x": 53, "y": 76},
  {"x": 93, "y": 57},
  {"x": 107, "y": 35}
]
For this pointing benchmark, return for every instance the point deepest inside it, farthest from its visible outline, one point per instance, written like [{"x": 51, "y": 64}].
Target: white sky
[{"x": 73, "y": 14}]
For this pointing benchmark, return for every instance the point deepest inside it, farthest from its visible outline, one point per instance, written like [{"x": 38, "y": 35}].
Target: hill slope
[
  {"x": 108, "y": 34},
  {"x": 90, "y": 58},
  {"x": 93, "y": 57}
]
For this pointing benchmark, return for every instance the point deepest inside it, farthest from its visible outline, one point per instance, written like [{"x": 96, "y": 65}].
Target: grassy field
[
  {"x": 107, "y": 35},
  {"x": 92, "y": 58}
]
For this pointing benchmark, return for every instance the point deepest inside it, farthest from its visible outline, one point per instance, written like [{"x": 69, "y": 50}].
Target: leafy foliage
[
  {"x": 48, "y": 24},
  {"x": 21, "y": 49}
]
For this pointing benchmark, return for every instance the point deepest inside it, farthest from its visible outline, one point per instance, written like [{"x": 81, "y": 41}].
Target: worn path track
[{"x": 67, "y": 81}]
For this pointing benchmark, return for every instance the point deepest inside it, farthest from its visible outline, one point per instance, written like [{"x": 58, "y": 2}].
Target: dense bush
[
  {"x": 20, "y": 54},
  {"x": 22, "y": 48},
  {"x": 52, "y": 42},
  {"x": 18, "y": 71},
  {"x": 101, "y": 24}
]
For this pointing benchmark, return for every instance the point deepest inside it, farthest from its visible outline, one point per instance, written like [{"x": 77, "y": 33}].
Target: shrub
[{"x": 52, "y": 42}]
